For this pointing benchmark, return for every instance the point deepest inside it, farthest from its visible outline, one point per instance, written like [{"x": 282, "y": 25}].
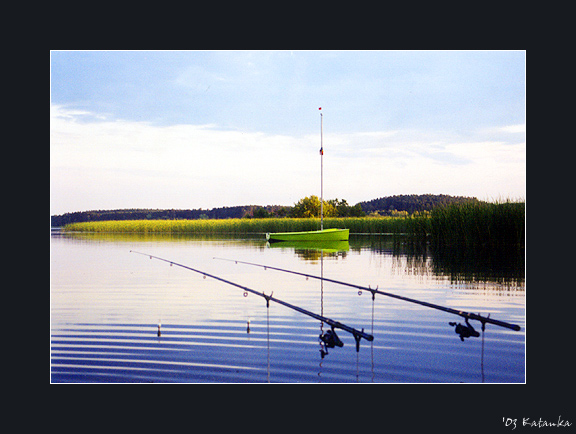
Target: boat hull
[{"x": 324, "y": 235}]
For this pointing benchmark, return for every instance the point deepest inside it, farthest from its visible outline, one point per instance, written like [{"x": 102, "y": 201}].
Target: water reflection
[
  {"x": 313, "y": 250},
  {"x": 106, "y": 305},
  {"x": 506, "y": 267},
  {"x": 252, "y": 240},
  {"x": 324, "y": 246}
]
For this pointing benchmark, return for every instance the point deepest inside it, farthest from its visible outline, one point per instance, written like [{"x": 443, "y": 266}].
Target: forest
[
  {"x": 306, "y": 207},
  {"x": 412, "y": 203}
]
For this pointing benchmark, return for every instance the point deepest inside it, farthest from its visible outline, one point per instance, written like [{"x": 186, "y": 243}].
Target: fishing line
[{"x": 334, "y": 324}]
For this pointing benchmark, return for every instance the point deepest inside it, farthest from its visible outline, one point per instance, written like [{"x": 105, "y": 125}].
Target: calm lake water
[{"x": 106, "y": 304}]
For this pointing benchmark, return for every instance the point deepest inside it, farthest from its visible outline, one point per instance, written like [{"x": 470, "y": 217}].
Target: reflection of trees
[
  {"x": 253, "y": 240},
  {"x": 314, "y": 255},
  {"x": 504, "y": 266}
]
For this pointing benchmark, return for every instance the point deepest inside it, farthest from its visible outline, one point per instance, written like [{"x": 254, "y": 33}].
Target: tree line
[
  {"x": 412, "y": 203},
  {"x": 147, "y": 214},
  {"x": 306, "y": 207}
]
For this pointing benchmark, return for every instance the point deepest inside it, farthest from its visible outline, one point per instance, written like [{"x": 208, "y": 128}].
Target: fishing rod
[
  {"x": 466, "y": 315},
  {"x": 334, "y": 324}
]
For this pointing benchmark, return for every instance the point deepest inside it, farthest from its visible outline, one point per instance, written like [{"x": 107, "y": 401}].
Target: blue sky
[{"x": 202, "y": 129}]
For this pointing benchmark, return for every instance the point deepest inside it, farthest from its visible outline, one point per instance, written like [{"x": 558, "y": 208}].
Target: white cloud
[
  {"x": 103, "y": 164},
  {"x": 520, "y": 128},
  {"x": 143, "y": 165},
  {"x": 365, "y": 166}
]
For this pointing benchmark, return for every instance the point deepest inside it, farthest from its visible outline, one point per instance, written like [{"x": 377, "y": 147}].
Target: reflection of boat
[
  {"x": 322, "y": 234},
  {"x": 327, "y": 246},
  {"x": 319, "y": 236},
  {"x": 324, "y": 246}
]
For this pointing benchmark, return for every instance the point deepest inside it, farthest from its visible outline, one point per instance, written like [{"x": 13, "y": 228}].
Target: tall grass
[
  {"x": 238, "y": 226},
  {"x": 480, "y": 224}
]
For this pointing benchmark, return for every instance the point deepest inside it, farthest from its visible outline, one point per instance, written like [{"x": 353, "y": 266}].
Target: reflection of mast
[
  {"x": 268, "y": 341},
  {"x": 322, "y": 283},
  {"x": 482, "y": 356},
  {"x": 323, "y": 350},
  {"x": 329, "y": 339},
  {"x": 372, "y": 343}
]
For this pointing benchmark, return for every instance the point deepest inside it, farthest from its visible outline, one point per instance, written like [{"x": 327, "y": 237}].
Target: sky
[{"x": 206, "y": 129}]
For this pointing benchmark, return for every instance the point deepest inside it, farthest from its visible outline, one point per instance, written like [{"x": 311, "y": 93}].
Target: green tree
[
  {"x": 345, "y": 210},
  {"x": 282, "y": 211},
  {"x": 356, "y": 211},
  {"x": 261, "y": 213},
  {"x": 310, "y": 207}
]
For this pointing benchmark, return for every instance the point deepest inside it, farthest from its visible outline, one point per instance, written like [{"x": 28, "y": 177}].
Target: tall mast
[{"x": 321, "y": 176}]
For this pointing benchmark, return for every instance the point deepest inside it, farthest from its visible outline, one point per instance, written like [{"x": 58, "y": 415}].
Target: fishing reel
[
  {"x": 330, "y": 340},
  {"x": 464, "y": 331}
]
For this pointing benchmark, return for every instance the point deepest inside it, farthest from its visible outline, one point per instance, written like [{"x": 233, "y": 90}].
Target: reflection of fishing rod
[
  {"x": 461, "y": 313},
  {"x": 334, "y": 324}
]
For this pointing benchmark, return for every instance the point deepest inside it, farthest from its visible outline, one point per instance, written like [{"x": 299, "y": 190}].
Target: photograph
[{"x": 291, "y": 217}]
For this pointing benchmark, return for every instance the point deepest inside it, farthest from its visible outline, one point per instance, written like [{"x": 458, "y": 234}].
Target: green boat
[{"x": 322, "y": 234}]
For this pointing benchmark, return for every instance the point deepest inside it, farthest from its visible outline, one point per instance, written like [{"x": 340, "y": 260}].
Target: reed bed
[
  {"x": 238, "y": 226},
  {"x": 481, "y": 224}
]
